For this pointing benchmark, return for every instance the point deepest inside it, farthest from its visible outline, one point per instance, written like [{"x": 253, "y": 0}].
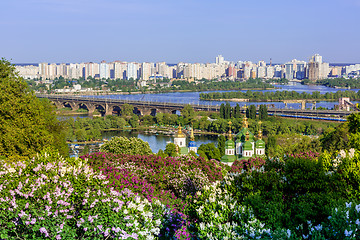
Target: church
[
  {"x": 244, "y": 147},
  {"x": 180, "y": 142}
]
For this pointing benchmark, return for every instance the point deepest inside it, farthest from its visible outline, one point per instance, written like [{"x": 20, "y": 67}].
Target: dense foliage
[
  {"x": 86, "y": 129},
  {"x": 27, "y": 124},
  {"x": 205, "y": 85},
  {"x": 124, "y": 145},
  {"x": 296, "y": 197},
  {"x": 340, "y": 82},
  {"x": 280, "y": 95}
]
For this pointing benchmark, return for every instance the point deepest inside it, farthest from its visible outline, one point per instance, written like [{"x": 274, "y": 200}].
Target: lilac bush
[
  {"x": 168, "y": 179},
  {"x": 54, "y": 198}
]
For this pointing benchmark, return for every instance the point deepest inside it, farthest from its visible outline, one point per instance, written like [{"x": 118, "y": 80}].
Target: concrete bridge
[{"x": 110, "y": 106}]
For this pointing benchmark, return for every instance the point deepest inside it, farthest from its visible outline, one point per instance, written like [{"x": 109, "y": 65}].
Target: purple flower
[
  {"x": 43, "y": 230},
  {"x": 22, "y": 213}
]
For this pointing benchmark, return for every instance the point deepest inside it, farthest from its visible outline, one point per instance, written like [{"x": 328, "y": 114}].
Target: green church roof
[
  {"x": 229, "y": 144},
  {"x": 240, "y": 137},
  {"x": 247, "y": 146},
  {"x": 260, "y": 144}
]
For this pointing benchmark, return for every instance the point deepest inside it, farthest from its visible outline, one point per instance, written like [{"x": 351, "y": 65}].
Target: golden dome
[{"x": 179, "y": 134}]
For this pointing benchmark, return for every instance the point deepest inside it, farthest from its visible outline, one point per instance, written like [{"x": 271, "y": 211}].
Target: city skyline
[
  {"x": 178, "y": 31},
  {"x": 314, "y": 69}
]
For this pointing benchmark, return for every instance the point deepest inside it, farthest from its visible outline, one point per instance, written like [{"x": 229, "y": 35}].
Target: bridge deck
[{"x": 198, "y": 107}]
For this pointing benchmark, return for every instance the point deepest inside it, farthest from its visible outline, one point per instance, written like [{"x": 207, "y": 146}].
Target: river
[{"x": 194, "y": 97}]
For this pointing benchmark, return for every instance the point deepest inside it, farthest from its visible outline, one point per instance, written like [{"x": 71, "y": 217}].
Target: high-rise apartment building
[
  {"x": 295, "y": 69},
  {"x": 120, "y": 69},
  {"x": 132, "y": 70},
  {"x": 104, "y": 70},
  {"x": 270, "y": 72},
  {"x": 91, "y": 70},
  {"x": 317, "y": 69},
  {"x": 146, "y": 70}
]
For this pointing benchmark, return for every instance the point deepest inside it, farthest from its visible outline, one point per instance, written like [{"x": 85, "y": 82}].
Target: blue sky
[{"x": 179, "y": 31}]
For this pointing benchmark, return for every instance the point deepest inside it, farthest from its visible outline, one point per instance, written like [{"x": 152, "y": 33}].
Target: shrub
[
  {"x": 124, "y": 145},
  {"x": 52, "y": 197},
  {"x": 169, "y": 179}
]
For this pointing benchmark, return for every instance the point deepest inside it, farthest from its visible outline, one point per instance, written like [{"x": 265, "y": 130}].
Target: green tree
[
  {"x": 271, "y": 145},
  {"x": 188, "y": 113},
  {"x": 237, "y": 113},
  {"x": 134, "y": 121},
  {"x": 221, "y": 144},
  {"x": 170, "y": 150},
  {"x": 252, "y": 112},
  {"x": 335, "y": 139},
  {"x": 354, "y": 123},
  {"x": 27, "y": 124},
  {"x": 124, "y": 145},
  {"x": 222, "y": 110},
  {"x": 227, "y": 110},
  {"x": 263, "y": 113},
  {"x": 210, "y": 151},
  {"x": 127, "y": 110}
]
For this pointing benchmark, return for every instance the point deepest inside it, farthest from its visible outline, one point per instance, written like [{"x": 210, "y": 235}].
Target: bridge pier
[
  {"x": 91, "y": 108},
  {"x": 74, "y": 106},
  {"x": 58, "y": 104},
  {"x": 108, "y": 109},
  {"x": 303, "y": 105},
  {"x": 144, "y": 111}
]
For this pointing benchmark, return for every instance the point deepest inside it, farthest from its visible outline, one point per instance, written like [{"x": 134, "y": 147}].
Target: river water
[
  {"x": 156, "y": 141},
  {"x": 194, "y": 97},
  {"x": 159, "y": 141}
]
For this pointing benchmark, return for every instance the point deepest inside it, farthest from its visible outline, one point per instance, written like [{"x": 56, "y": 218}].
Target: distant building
[
  {"x": 295, "y": 70},
  {"x": 132, "y": 71},
  {"x": 104, "y": 70},
  {"x": 219, "y": 60},
  {"x": 317, "y": 70}
]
